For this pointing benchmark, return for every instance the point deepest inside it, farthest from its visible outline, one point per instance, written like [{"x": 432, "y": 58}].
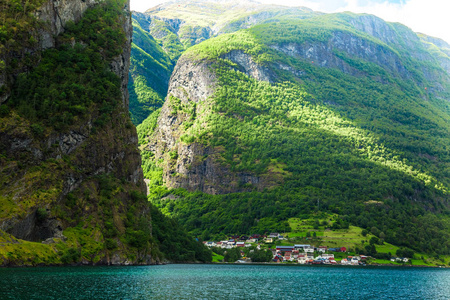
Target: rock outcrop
[
  {"x": 56, "y": 14},
  {"x": 192, "y": 165},
  {"x": 326, "y": 54}
]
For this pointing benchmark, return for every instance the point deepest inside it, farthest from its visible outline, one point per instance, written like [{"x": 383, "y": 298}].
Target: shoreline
[
  {"x": 224, "y": 263},
  {"x": 326, "y": 265}
]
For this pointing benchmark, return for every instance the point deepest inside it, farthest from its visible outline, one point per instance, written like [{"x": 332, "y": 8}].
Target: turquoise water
[{"x": 224, "y": 282}]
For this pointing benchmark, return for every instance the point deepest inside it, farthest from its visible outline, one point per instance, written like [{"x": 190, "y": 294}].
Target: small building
[
  {"x": 322, "y": 249},
  {"x": 285, "y": 248},
  {"x": 240, "y": 244},
  {"x": 274, "y": 235},
  {"x": 301, "y": 247},
  {"x": 210, "y": 244},
  {"x": 269, "y": 240},
  {"x": 309, "y": 249},
  {"x": 287, "y": 255},
  {"x": 302, "y": 258}
]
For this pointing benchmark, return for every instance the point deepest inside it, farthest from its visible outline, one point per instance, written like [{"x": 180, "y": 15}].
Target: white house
[
  {"x": 302, "y": 258},
  {"x": 298, "y": 247},
  {"x": 309, "y": 249},
  {"x": 211, "y": 244},
  {"x": 322, "y": 249},
  {"x": 240, "y": 244}
]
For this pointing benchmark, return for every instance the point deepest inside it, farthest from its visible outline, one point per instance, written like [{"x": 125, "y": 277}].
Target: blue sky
[{"x": 431, "y": 17}]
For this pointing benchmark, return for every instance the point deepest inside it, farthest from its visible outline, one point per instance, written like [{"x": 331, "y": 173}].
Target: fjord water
[{"x": 224, "y": 282}]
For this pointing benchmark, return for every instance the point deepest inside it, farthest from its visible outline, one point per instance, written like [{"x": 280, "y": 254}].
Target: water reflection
[{"x": 224, "y": 282}]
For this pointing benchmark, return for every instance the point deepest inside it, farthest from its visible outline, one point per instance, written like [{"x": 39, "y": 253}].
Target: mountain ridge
[{"x": 261, "y": 123}]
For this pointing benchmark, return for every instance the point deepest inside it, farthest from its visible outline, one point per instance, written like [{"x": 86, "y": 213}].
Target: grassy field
[
  {"x": 217, "y": 258},
  {"x": 348, "y": 238}
]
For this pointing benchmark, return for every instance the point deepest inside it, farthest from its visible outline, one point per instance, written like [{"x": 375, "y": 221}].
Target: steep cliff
[
  {"x": 70, "y": 174},
  {"x": 164, "y": 32},
  {"x": 263, "y": 124}
]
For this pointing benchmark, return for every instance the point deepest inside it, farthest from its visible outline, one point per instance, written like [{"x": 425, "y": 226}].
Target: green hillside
[
  {"x": 150, "y": 69},
  {"x": 161, "y": 35},
  {"x": 362, "y": 136}
]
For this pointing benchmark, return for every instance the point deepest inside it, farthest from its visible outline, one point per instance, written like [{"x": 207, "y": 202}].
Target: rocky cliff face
[
  {"x": 41, "y": 172},
  {"x": 192, "y": 165},
  {"x": 326, "y": 54},
  {"x": 405, "y": 39},
  {"x": 56, "y": 14}
]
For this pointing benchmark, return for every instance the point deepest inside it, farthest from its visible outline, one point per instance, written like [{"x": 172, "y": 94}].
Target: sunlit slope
[{"x": 287, "y": 115}]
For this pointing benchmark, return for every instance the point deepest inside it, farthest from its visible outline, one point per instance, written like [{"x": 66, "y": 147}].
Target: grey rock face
[
  {"x": 405, "y": 39},
  {"x": 324, "y": 53},
  {"x": 70, "y": 141},
  {"x": 33, "y": 228},
  {"x": 121, "y": 64},
  {"x": 191, "y": 83},
  {"x": 56, "y": 13},
  {"x": 196, "y": 166},
  {"x": 249, "y": 66}
]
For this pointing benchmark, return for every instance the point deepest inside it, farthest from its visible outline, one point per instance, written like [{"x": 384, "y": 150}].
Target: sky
[{"x": 431, "y": 17}]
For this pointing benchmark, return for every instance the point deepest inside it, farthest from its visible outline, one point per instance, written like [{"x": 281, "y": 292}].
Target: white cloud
[
  {"x": 431, "y": 17},
  {"x": 143, "y": 5}
]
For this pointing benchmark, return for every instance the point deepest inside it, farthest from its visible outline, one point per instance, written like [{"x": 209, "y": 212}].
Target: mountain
[
  {"x": 71, "y": 182},
  {"x": 340, "y": 114},
  {"x": 163, "y": 33}
]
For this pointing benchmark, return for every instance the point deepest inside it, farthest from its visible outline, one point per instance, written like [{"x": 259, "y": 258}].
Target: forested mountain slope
[
  {"x": 340, "y": 113},
  {"x": 71, "y": 184},
  {"x": 163, "y": 33}
]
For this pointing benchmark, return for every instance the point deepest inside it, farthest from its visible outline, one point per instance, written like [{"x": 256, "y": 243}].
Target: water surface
[{"x": 224, "y": 282}]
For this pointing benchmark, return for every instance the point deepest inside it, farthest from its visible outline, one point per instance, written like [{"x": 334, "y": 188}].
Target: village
[{"x": 304, "y": 254}]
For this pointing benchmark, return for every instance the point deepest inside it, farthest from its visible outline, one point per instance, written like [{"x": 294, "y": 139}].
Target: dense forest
[
  {"x": 71, "y": 189},
  {"x": 359, "y": 138}
]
